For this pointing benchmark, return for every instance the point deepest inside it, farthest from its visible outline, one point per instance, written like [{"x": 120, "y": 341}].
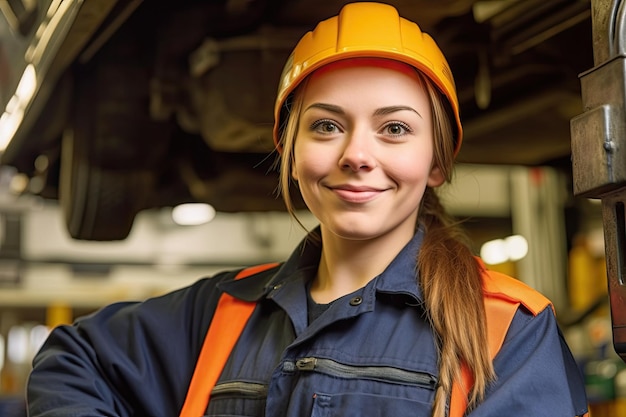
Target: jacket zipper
[
  {"x": 378, "y": 373},
  {"x": 241, "y": 389}
]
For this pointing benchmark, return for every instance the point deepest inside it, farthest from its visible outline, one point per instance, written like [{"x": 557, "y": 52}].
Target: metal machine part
[{"x": 599, "y": 148}]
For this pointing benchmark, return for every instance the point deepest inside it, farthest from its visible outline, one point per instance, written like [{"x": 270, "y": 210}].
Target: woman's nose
[{"x": 357, "y": 153}]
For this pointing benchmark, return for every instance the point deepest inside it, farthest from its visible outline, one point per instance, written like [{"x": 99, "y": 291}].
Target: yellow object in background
[
  {"x": 586, "y": 275},
  {"x": 57, "y": 314}
]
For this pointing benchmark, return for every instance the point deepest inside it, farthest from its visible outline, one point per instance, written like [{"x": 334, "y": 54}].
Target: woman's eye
[
  {"x": 396, "y": 129},
  {"x": 325, "y": 126}
]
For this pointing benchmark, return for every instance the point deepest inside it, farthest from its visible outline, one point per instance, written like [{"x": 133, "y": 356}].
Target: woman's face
[{"x": 364, "y": 149}]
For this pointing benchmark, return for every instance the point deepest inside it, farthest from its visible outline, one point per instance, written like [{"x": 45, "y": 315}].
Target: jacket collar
[{"x": 399, "y": 278}]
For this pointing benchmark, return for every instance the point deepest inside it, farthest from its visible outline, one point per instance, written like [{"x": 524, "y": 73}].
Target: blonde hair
[{"x": 449, "y": 275}]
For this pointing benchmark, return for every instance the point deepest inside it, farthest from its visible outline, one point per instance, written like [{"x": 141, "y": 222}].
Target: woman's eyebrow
[
  {"x": 392, "y": 109},
  {"x": 328, "y": 107},
  {"x": 378, "y": 112}
]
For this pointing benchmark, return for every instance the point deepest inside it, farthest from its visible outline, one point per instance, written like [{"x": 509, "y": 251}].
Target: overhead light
[
  {"x": 55, "y": 15},
  {"x": 193, "y": 214},
  {"x": 38, "y": 55},
  {"x": 13, "y": 115},
  {"x": 510, "y": 249}
]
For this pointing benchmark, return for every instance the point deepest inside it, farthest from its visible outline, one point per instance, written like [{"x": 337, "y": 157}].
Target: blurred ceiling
[{"x": 153, "y": 103}]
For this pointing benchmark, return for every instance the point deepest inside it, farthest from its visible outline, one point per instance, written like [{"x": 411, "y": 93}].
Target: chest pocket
[
  {"x": 377, "y": 390},
  {"x": 355, "y": 405},
  {"x": 343, "y": 390},
  {"x": 238, "y": 399}
]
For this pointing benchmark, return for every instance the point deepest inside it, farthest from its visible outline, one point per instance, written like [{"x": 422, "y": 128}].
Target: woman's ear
[
  {"x": 436, "y": 178},
  {"x": 294, "y": 173}
]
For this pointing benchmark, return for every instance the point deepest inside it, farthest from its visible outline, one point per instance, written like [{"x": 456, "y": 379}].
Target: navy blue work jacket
[{"x": 371, "y": 353}]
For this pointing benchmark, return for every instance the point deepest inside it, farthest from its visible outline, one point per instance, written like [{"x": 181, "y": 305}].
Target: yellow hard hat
[{"x": 371, "y": 30}]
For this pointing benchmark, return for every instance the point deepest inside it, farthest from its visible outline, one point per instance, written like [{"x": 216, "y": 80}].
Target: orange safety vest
[{"x": 503, "y": 296}]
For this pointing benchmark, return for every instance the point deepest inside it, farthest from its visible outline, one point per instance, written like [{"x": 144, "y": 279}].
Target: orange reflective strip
[
  {"x": 499, "y": 316},
  {"x": 503, "y": 296},
  {"x": 498, "y": 285},
  {"x": 460, "y": 391},
  {"x": 228, "y": 322}
]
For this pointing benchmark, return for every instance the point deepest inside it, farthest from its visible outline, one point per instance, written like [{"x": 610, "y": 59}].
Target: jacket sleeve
[
  {"x": 126, "y": 359},
  {"x": 536, "y": 372}
]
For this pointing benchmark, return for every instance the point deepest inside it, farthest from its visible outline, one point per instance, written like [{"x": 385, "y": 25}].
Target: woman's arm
[
  {"x": 127, "y": 359},
  {"x": 536, "y": 373}
]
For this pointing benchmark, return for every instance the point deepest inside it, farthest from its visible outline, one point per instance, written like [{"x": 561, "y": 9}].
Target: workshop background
[{"x": 136, "y": 157}]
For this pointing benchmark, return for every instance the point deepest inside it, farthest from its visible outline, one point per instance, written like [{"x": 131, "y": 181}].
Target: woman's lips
[{"x": 353, "y": 194}]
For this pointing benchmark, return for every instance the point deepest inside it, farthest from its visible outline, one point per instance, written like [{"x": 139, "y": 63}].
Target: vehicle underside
[{"x": 148, "y": 104}]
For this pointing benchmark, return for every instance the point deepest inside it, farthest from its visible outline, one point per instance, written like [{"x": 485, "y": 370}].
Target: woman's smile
[{"x": 356, "y": 193}]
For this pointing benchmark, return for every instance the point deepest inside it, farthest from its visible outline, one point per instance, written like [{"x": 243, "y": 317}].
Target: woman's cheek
[{"x": 313, "y": 160}]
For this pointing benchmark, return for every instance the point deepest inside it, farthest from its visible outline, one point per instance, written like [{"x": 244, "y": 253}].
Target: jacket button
[{"x": 355, "y": 301}]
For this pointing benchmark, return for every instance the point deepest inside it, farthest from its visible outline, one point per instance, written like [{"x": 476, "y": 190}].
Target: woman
[{"x": 382, "y": 310}]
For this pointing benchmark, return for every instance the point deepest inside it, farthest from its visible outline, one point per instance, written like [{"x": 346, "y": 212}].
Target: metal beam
[{"x": 599, "y": 148}]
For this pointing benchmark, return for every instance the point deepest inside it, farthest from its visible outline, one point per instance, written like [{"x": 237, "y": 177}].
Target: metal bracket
[{"x": 599, "y": 148}]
